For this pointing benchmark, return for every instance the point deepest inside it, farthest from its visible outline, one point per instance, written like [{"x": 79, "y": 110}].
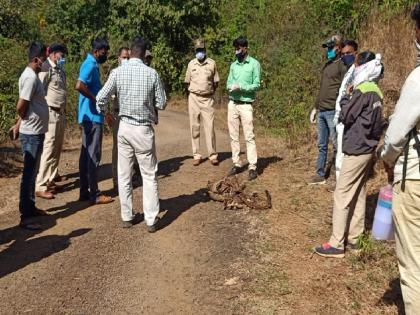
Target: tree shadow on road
[
  {"x": 262, "y": 164},
  {"x": 47, "y": 222},
  {"x": 169, "y": 166},
  {"x": 176, "y": 206},
  {"x": 265, "y": 162},
  {"x": 23, "y": 252},
  {"x": 165, "y": 169},
  {"x": 393, "y": 296}
]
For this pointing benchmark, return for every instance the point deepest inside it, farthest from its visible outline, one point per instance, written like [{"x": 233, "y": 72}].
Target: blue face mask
[
  {"x": 61, "y": 62},
  {"x": 200, "y": 55},
  {"x": 348, "y": 60},
  {"x": 331, "y": 53}
]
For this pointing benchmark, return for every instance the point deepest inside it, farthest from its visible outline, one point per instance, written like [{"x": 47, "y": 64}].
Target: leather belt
[{"x": 241, "y": 102}]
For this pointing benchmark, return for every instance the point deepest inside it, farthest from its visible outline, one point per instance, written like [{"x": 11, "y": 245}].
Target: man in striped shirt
[{"x": 139, "y": 91}]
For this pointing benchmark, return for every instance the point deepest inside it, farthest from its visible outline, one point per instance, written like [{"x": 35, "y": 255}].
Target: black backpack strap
[{"x": 416, "y": 146}]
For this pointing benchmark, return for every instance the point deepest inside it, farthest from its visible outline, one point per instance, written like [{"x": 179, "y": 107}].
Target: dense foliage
[{"x": 285, "y": 35}]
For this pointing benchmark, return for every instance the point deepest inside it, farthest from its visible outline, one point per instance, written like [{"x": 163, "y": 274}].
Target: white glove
[
  {"x": 235, "y": 87},
  {"x": 312, "y": 117},
  {"x": 336, "y": 116}
]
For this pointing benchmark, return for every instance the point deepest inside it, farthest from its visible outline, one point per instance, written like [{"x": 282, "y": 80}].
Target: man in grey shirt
[{"x": 33, "y": 124}]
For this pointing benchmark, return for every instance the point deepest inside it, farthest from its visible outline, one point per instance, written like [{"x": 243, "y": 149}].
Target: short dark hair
[
  {"x": 36, "y": 50},
  {"x": 241, "y": 41},
  {"x": 365, "y": 57},
  {"x": 139, "y": 46},
  {"x": 57, "y": 47},
  {"x": 352, "y": 43},
  {"x": 100, "y": 43},
  {"x": 415, "y": 14},
  {"x": 122, "y": 49}
]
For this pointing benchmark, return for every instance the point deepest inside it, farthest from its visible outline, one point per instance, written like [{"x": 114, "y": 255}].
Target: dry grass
[{"x": 394, "y": 39}]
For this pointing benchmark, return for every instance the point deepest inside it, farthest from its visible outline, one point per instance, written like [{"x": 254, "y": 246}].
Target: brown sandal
[{"x": 103, "y": 200}]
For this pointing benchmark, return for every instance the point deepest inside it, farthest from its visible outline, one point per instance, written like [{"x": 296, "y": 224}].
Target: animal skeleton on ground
[{"x": 233, "y": 195}]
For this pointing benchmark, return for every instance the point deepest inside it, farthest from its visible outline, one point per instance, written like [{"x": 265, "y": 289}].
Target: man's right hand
[
  {"x": 312, "y": 117},
  {"x": 14, "y": 131},
  {"x": 234, "y": 87}
]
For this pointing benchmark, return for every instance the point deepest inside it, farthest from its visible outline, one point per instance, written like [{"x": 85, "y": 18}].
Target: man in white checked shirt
[{"x": 139, "y": 91}]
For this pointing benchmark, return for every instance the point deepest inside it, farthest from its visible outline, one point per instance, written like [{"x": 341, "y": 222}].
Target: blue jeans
[
  {"x": 326, "y": 129},
  {"x": 31, "y": 149},
  {"x": 90, "y": 157}
]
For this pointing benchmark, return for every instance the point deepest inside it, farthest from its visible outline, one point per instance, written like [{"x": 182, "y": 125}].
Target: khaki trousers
[
  {"x": 238, "y": 113},
  {"x": 200, "y": 108},
  {"x": 350, "y": 200},
  {"x": 406, "y": 212},
  {"x": 137, "y": 142},
  {"x": 53, "y": 145}
]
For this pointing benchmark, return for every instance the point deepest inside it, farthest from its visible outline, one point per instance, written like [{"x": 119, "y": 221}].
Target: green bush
[{"x": 285, "y": 36}]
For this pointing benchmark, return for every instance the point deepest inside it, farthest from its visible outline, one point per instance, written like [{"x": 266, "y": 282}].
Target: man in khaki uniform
[
  {"x": 202, "y": 79},
  {"x": 54, "y": 80}
]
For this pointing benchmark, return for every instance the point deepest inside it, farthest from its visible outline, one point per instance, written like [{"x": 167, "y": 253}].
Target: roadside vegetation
[{"x": 284, "y": 35}]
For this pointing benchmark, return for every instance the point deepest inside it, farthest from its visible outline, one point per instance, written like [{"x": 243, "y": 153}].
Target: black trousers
[{"x": 90, "y": 157}]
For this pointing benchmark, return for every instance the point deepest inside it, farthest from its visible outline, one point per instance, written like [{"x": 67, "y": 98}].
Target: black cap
[{"x": 57, "y": 47}]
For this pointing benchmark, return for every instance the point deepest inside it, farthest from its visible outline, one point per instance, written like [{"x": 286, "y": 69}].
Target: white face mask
[
  {"x": 200, "y": 55},
  {"x": 124, "y": 61}
]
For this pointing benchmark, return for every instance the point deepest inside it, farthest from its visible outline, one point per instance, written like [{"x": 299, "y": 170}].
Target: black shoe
[
  {"x": 233, "y": 171},
  {"x": 126, "y": 224},
  {"x": 28, "y": 224},
  {"x": 152, "y": 228},
  {"x": 317, "y": 180},
  {"x": 252, "y": 174},
  {"x": 136, "y": 219},
  {"x": 326, "y": 250},
  {"x": 355, "y": 248}
]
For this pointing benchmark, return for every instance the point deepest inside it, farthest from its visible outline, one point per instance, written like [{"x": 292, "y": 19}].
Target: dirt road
[
  {"x": 204, "y": 260},
  {"x": 85, "y": 263}
]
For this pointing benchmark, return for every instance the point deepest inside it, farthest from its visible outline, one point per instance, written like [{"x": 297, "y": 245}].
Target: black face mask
[
  {"x": 348, "y": 60},
  {"x": 240, "y": 55},
  {"x": 102, "y": 58}
]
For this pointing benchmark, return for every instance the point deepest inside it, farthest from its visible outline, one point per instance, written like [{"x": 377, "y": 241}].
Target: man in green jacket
[{"x": 243, "y": 83}]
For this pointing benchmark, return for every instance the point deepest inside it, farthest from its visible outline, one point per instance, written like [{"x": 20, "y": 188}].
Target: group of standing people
[
  {"x": 137, "y": 94},
  {"x": 348, "y": 111},
  {"x": 356, "y": 125},
  {"x": 243, "y": 82}
]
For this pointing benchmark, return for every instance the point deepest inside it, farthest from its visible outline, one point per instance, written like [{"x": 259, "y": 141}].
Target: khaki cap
[{"x": 199, "y": 43}]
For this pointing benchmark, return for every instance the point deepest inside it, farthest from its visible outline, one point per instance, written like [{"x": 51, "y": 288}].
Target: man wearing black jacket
[{"x": 323, "y": 114}]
